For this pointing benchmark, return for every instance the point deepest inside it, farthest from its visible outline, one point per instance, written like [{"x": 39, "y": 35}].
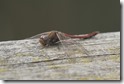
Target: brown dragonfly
[
  {"x": 68, "y": 42},
  {"x": 54, "y": 37}
]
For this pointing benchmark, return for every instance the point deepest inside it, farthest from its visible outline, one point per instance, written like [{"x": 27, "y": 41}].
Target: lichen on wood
[{"x": 27, "y": 60}]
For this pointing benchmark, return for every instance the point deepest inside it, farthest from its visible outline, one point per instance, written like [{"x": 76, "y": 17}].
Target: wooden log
[{"x": 96, "y": 58}]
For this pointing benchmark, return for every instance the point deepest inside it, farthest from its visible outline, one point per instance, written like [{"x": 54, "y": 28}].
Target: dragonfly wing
[
  {"x": 38, "y": 35},
  {"x": 71, "y": 47}
]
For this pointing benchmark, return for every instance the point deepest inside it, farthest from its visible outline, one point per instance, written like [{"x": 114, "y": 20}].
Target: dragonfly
[
  {"x": 53, "y": 37},
  {"x": 68, "y": 45},
  {"x": 68, "y": 42}
]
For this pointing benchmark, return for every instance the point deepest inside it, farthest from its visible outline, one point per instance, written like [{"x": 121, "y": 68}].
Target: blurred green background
[{"x": 20, "y": 19}]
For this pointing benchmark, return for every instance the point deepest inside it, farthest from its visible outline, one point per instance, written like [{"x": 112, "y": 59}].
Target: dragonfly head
[
  {"x": 49, "y": 39},
  {"x": 42, "y": 41}
]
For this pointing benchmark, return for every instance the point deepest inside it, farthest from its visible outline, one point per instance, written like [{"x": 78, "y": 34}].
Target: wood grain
[{"x": 27, "y": 60}]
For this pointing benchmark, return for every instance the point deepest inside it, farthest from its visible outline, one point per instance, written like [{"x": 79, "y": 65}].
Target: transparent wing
[
  {"x": 72, "y": 48},
  {"x": 38, "y": 35}
]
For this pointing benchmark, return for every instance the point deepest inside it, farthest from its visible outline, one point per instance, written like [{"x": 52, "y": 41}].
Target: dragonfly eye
[
  {"x": 42, "y": 42},
  {"x": 43, "y": 37}
]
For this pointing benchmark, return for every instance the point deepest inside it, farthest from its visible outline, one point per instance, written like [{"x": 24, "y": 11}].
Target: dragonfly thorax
[{"x": 49, "y": 39}]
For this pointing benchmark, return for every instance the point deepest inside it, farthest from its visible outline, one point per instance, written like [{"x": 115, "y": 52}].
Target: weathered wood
[{"x": 27, "y": 60}]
